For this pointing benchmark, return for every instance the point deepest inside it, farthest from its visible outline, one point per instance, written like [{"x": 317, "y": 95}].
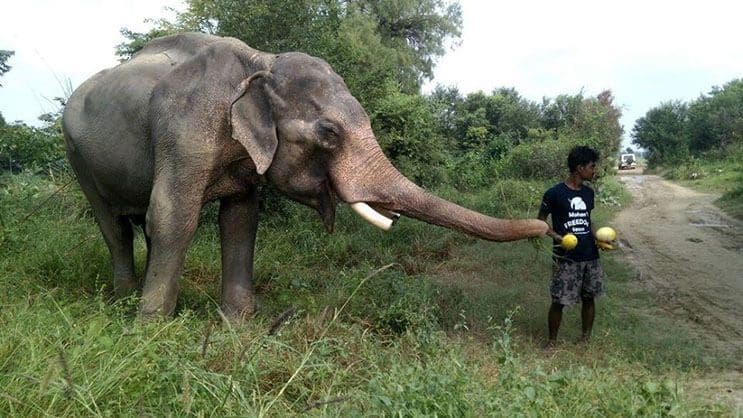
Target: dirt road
[{"x": 690, "y": 255}]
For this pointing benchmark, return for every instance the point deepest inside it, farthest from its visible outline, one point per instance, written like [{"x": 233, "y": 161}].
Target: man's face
[{"x": 588, "y": 171}]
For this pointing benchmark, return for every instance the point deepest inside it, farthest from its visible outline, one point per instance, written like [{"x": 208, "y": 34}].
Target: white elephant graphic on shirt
[{"x": 577, "y": 203}]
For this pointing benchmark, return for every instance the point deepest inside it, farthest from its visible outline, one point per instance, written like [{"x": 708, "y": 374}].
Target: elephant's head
[{"x": 305, "y": 131}]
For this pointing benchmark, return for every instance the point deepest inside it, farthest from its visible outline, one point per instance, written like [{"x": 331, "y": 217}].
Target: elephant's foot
[
  {"x": 238, "y": 312},
  {"x": 238, "y": 304},
  {"x": 158, "y": 301},
  {"x": 125, "y": 286}
]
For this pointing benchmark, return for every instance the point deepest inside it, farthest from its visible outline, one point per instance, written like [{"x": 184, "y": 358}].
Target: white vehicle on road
[{"x": 627, "y": 162}]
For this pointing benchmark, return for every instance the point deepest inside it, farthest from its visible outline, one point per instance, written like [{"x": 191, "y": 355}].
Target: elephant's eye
[{"x": 328, "y": 133}]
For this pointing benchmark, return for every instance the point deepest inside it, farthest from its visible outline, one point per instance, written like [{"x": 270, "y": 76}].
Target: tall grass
[{"x": 451, "y": 327}]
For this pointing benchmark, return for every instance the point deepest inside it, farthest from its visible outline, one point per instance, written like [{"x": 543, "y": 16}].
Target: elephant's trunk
[
  {"x": 382, "y": 187},
  {"x": 419, "y": 204}
]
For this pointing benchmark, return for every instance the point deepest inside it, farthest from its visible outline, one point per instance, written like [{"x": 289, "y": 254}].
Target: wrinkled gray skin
[{"x": 194, "y": 118}]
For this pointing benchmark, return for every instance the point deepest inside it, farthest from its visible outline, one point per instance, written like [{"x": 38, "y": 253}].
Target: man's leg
[
  {"x": 588, "y": 312},
  {"x": 553, "y": 322}
]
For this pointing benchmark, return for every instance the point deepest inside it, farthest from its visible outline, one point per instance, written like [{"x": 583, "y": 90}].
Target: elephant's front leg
[
  {"x": 172, "y": 218},
  {"x": 238, "y": 222}
]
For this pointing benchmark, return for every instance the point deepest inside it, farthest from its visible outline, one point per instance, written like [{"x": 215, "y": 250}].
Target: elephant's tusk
[
  {"x": 394, "y": 216},
  {"x": 372, "y": 216}
]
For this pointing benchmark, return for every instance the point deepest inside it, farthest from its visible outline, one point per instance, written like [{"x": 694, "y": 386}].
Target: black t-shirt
[{"x": 571, "y": 213}]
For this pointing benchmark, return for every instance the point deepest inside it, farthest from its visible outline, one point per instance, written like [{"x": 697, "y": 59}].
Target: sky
[{"x": 645, "y": 51}]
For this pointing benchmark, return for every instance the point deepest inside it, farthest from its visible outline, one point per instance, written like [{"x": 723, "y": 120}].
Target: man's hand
[{"x": 605, "y": 246}]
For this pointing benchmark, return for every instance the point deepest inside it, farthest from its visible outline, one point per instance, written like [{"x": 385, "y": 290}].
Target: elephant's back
[
  {"x": 107, "y": 133},
  {"x": 107, "y": 120},
  {"x": 113, "y": 105}
]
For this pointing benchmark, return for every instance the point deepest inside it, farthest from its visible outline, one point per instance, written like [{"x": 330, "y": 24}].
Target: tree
[
  {"x": 444, "y": 101},
  {"x": 715, "y": 121},
  {"x": 405, "y": 127},
  {"x": 560, "y": 112},
  {"x": 663, "y": 132},
  {"x": 592, "y": 121},
  {"x": 417, "y": 30},
  {"x": 511, "y": 115},
  {"x": 400, "y": 38},
  {"x": 4, "y": 67}
]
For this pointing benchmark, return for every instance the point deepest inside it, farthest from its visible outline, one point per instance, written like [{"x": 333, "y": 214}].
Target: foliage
[
  {"x": 662, "y": 132},
  {"x": 539, "y": 160},
  {"x": 715, "y": 121},
  {"x": 592, "y": 121},
  {"x": 24, "y": 147},
  {"x": 365, "y": 63},
  {"x": 499, "y": 134},
  {"x": 401, "y": 39},
  {"x": 271, "y": 26},
  {"x": 675, "y": 131},
  {"x": 405, "y": 128},
  {"x": 417, "y": 32},
  {"x": 4, "y": 56}
]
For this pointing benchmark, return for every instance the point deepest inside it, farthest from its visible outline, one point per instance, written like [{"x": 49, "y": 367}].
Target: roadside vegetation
[
  {"x": 699, "y": 143},
  {"x": 417, "y": 321}
]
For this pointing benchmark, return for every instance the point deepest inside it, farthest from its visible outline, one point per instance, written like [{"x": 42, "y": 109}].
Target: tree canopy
[
  {"x": 662, "y": 132},
  {"x": 364, "y": 40},
  {"x": 675, "y": 130}
]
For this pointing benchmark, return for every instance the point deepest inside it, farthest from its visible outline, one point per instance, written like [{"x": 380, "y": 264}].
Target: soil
[{"x": 689, "y": 255}]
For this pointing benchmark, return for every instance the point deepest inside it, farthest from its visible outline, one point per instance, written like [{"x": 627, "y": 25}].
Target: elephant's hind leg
[{"x": 117, "y": 232}]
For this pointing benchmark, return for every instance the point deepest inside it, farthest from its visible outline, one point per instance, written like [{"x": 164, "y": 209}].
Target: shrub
[
  {"x": 23, "y": 147},
  {"x": 690, "y": 169},
  {"x": 537, "y": 160},
  {"x": 416, "y": 388},
  {"x": 404, "y": 126},
  {"x": 396, "y": 303}
]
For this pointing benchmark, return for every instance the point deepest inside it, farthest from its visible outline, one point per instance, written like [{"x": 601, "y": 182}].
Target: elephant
[{"x": 193, "y": 118}]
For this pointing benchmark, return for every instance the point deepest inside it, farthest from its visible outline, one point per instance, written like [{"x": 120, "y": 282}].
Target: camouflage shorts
[{"x": 573, "y": 281}]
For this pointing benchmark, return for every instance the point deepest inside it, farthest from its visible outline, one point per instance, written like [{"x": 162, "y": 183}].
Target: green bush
[
  {"x": 609, "y": 191},
  {"x": 405, "y": 130},
  {"x": 415, "y": 387},
  {"x": 395, "y": 303},
  {"x": 689, "y": 169},
  {"x": 23, "y": 147},
  {"x": 538, "y": 160},
  {"x": 471, "y": 171}
]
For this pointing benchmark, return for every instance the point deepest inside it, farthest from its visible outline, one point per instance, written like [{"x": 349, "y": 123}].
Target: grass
[
  {"x": 452, "y": 326},
  {"x": 716, "y": 174}
]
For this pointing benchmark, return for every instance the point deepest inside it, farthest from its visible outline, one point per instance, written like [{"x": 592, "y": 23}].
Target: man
[{"x": 577, "y": 273}]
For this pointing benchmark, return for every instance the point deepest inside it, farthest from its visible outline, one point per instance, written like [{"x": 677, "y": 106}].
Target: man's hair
[{"x": 581, "y": 155}]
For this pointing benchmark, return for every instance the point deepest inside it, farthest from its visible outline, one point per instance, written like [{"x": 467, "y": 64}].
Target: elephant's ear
[{"x": 252, "y": 120}]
